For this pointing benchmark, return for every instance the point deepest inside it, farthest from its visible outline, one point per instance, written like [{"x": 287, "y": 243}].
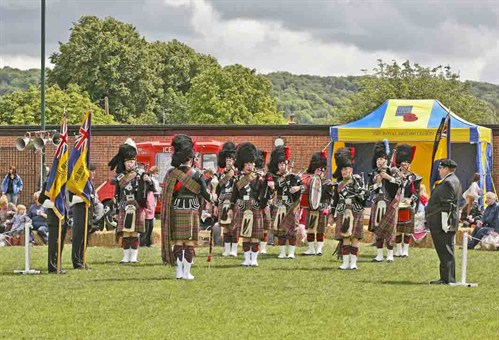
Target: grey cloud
[
  {"x": 397, "y": 26},
  {"x": 20, "y": 21}
]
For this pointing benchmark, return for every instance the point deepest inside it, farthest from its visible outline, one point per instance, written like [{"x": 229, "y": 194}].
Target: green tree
[
  {"x": 176, "y": 64},
  {"x": 406, "y": 81},
  {"x": 24, "y": 107},
  {"x": 232, "y": 95},
  {"x": 108, "y": 57},
  {"x": 13, "y": 79}
]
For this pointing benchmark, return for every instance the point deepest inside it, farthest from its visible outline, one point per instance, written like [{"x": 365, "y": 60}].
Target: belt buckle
[
  {"x": 348, "y": 201},
  {"x": 130, "y": 197},
  {"x": 246, "y": 197}
]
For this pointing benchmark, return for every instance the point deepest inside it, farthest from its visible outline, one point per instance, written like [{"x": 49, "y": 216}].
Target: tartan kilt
[
  {"x": 267, "y": 218},
  {"x": 321, "y": 226},
  {"x": 288, "y": 225},
  {"x": 185, "y": 224},
  {"x": 257, "y": 231},
  {"x": 358, "y": 225},
  {"x": 386, "y": 228},
  {"x": 374, "y": 206},
  {"x": 407, "y": 227},
  {"x": 140, "y": 219},
  {"x": 228, "y": 228}
]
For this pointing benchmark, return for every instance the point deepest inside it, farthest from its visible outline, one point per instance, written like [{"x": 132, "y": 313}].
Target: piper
[
  {"x": 349, "y": 197},
  {"x": 286, "y": 201},
  {"x": 183, "y": 186}
]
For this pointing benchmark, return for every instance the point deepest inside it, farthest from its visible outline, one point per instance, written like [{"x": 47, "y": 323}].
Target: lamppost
[{"x": 42, "y": 90}]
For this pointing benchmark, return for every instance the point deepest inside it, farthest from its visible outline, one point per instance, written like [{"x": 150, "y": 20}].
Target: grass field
[{"x": 305, "y": 298}]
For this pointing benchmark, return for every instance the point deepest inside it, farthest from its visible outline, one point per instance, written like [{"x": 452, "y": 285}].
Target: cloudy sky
[{"x": 303, "y": 37}]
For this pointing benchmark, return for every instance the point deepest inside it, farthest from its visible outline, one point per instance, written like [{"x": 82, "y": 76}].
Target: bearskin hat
[
  {"x": 228, "y": 150},
  {"x": 245, "y": 153},
  {"x": 381, "y": 149},
  {"x": 183, "y": 150},
  {"x": 278, "y": 155},
  {"x": 404, "y": 153},
  {"x": 260, "y": 159},
  {"x": 343, "y": 158},
  {"x": 127, "y": 151},
  {"x": 318, "y": 160}
]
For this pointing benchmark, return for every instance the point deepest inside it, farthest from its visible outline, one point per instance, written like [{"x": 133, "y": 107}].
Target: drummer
[
  {"x": 314, "y": 214},
  {"x": 409, "y": 201}
]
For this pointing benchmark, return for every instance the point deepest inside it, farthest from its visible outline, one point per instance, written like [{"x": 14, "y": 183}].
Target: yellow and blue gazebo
[{"x": 415, "y": 122}]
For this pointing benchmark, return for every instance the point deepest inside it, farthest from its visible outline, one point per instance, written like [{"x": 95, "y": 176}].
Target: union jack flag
[
  {"x": 79, "y": 160},
  {"x": 55, "y": 188}
]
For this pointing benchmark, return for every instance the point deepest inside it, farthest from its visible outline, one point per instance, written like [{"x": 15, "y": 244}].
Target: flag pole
[
  {"x": 85, "y": 238},
  {"x": 59, "y": 242}
]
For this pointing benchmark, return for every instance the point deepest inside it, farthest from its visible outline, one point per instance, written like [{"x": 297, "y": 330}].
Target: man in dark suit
[{"x": 442, "y": 216}]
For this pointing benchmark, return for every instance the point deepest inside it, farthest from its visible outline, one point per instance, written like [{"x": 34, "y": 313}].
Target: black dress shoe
[{"x": 439, "y": 282}]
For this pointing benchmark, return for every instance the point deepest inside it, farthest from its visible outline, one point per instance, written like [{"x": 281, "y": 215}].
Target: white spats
[
  {"x": 346, "y": 262},
  {"x": 233, "y": 250},
  {"x": 398, "y": 251},
  {"x": 126, "y": 256},
  {"x": 226, "y": 249},
  {"x": 263, "y": 247},
  {"x": 187, "y": 270},
  {"x": 310, "y": 250},
  {"x": 405, "y": 250},
  {"x": 319, "y": 248},
  {"x": 282, "y": 254},
  {"x": 254, "y": 258},
  {"x": 247, "y": 259},
  {"x": 389, "y": 256},
  {"x": 353, "y": 261},
  {"x": 180, "y": 271},
  {"x": 134, "y": 255}
]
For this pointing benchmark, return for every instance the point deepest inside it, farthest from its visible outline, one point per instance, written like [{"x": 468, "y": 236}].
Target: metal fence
[{"x": 27, "y": 164}]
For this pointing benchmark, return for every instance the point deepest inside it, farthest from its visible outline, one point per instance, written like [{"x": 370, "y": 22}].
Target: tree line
[{"x": 170, "y": 83}]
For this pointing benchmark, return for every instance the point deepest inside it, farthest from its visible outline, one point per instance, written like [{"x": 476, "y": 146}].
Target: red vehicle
[{"x": 160, "y": 154}]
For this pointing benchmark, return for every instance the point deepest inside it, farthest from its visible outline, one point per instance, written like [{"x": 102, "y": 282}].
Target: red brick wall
[{"x": 303, "y": 141}]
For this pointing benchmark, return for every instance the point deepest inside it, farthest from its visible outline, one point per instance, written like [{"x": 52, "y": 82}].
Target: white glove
[{"x": 445, "y": 222}]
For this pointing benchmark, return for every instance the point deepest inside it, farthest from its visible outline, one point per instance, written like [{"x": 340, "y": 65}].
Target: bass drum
[{"x": 314, "y": 192}]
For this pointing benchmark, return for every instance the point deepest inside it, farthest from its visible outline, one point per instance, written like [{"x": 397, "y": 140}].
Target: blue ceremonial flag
[
  {"x": 441, "y": 150},
  {"x": 58, "y": 175},
  {"x": 79, "y": 176}
]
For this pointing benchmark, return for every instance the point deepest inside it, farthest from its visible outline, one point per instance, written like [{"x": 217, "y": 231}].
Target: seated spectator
[
  {"x": 472, "y": 194},
  {"x": 38, "y": 217},
  {"x": 3, "y": 213},
  {"x": 472, "y": 216},
  {"x": 18, "y": 224},
  {"x": 11, "y": 211},
  {"x": 489, "y": 221}
]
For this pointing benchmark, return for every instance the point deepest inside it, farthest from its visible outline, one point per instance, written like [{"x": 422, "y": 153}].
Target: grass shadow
[
  {"x": 116, "y": 279},
  {"x": 305, "y": 268}
]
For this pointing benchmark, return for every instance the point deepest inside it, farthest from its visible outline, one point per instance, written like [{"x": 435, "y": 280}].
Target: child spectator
[
  {"x": 3, "y": 213},
  {"x": 38, "y": 217},
  {"x": 11, "y": 211},
  {"x": 18, "y": 224}
]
